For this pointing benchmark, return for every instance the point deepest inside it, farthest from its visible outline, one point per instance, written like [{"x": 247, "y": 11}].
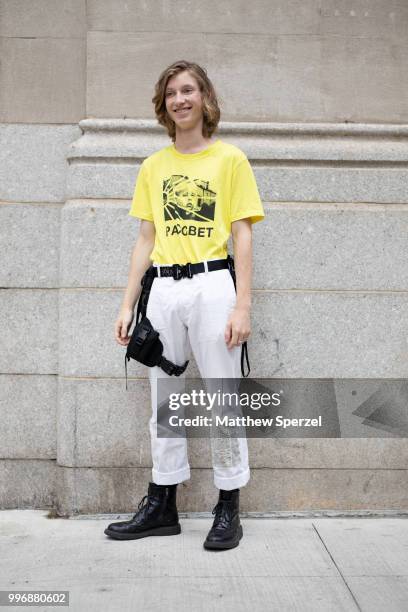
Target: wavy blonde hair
[{"x": 211, "y": 110}]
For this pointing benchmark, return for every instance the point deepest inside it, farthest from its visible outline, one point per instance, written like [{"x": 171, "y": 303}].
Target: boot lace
[
  {"x": 223, "y": 511},
  {"x": 141, "y": 506}
]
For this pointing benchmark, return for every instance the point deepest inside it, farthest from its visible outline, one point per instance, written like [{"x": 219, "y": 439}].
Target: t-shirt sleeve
[
  {"x": 141, "y": 204},
  {"x": 245, "y": 199}
]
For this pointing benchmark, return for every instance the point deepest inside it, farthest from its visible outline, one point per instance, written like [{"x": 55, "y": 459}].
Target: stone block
[
  {"x": 33, "y": 162},
  {"x": 299, "y": 18},
  {"x": 28, "y": 417},
  {"x": 43, "y": 18},
  {"x": 326, "y": 453},
  {"x": 288, "y": 65},
  {"x": 30, "y": 245},
  {"x": 296, "y": 162},
  {"x": 296, "y": 246},
  {"x": 339, "y": 78},
  {"x": 88, "y": 258},
  {"x": 215, "y": 16},
  {"x": 30, "y": 331},
  {"x": 27, "y": 483},
  {"x": 43, "y": 80},
  {"x": 311, "y": 183},
  {"x": 331, "y": 247},
  {"x": 90, "y": 490},
  {"x": 309, "y": 334},
  {"x": 292, "y": 183},
  {"x": 329, "y": 334},
  {"x": 99, "y": 424}
]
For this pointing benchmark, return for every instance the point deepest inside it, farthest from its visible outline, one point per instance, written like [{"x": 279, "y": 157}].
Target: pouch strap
[
  {"x": 171, "y": 368},
  {"x": 244, "y": 345},
  {"x": 146, "y": 282},
  {"x": 244, "y": 351}
]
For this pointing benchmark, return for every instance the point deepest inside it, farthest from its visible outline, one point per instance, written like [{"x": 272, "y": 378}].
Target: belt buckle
[
  {"x": 182, "y": 271},
  {"x": 177, "y": 272},
  {"x": 189, "y": 272}
]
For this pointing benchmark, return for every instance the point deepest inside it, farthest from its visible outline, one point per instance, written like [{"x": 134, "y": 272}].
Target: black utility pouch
[{"x": 145, "y": 345}]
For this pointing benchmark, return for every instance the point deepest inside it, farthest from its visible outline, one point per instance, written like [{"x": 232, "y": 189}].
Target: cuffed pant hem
[
  {"x": 169, "y": 478},
  {"x": 236, "y": 482}
]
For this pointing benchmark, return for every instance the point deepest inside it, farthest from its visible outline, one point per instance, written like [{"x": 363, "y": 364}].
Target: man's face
[{"x": 183, "y": 100}]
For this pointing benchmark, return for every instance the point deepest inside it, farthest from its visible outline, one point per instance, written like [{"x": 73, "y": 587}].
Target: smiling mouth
[{"x": 183, "y": 110}]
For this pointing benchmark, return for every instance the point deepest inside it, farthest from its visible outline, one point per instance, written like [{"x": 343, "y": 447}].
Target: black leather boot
[
  {"x": 156, "y": 515},
  {"x": 226, "y": 530}
]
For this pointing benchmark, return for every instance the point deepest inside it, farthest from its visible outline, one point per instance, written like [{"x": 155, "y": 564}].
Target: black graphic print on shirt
[{"x": 188, "y": 199}]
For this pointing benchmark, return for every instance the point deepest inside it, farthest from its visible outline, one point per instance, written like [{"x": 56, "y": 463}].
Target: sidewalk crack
[{"x": 337, "y": 568}]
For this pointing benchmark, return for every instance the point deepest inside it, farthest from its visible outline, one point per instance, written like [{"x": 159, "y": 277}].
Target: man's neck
[{"x": 192, "y": 142}]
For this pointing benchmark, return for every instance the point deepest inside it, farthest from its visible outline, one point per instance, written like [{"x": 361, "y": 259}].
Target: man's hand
[
  {"x": 238, "y": 327},
  {"x": 122, "y": 325}
]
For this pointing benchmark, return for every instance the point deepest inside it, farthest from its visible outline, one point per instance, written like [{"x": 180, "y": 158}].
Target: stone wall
[{"x": 315, "y": 93}]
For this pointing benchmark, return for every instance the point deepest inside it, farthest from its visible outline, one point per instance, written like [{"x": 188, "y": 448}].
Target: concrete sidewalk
[{"x": 327, "y": 564}]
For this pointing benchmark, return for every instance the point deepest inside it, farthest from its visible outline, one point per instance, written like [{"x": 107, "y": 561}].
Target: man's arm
[
  {"x": 238, "y": 327},
  {"x": 241, "y": 231},
  {"x": 139, "y": 263}
]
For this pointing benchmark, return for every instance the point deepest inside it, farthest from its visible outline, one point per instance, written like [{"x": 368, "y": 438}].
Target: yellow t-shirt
[{"x": 192, "y": 199}]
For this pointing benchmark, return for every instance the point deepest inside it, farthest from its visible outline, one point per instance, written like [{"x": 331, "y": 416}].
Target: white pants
[{"x": 191, "y": 315}]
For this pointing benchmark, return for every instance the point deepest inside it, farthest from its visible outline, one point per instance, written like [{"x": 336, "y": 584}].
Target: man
[{"x": 190, "y": 196}]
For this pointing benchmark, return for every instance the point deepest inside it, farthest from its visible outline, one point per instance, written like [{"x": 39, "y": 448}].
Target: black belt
[{"x": 178, "y": 271}]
